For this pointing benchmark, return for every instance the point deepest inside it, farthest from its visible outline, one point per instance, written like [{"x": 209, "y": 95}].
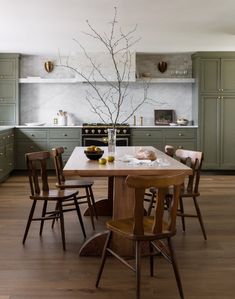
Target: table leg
[{"x": 104, "y": 207}]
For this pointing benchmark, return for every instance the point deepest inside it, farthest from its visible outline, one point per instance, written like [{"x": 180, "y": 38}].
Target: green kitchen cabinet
[
  {"x": 217, "y": 131},
  {"x": 6, "y": 153},
  {"x": 216, "y": 71},
  {"x": 44, "y": 138},
  {"x": 147, "y": 137},
  {"x": 9, "y": 89},
  {"x": 68, "y": 138},
  {"x": 157, "y": 137},
  {"x": 27, "y": 141},
  {"x": 214, "y": 97},
  {"x": 183, "y": 138}
]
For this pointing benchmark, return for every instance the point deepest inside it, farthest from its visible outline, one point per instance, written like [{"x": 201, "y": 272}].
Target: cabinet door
[
  {"x": 8, "y": 114},
  {"x": 210, "y": 75},
  {"x": 7, "y": 91},
  {"x": 210, "y": 136},
  {"x": 228, "y": 75},
  {"x": 227, "y": 143},
  {"x": 7, "y": 68}
]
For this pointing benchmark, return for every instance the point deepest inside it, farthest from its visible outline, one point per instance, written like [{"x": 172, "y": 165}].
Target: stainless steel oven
[{"x": 97, "y": 134}]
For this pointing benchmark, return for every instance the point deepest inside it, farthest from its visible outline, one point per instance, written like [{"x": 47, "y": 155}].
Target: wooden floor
[{"x": 41, "y": 269}]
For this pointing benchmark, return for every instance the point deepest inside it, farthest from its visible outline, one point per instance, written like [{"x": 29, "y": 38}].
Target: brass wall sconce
[
  {"x": 49, "y": 66},
  {"x": 162, "y": 66}
]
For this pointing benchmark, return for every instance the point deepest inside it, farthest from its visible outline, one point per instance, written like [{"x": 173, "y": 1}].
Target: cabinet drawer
[
  {"x": 65, "y": 133},
  {"x": 31, "y": 134},
  {"x": 67, "y": 145},
  {"x": 182, "y": 144},
  {"x": 180, "y": 133},
  {"x": 146, "y": 134},
  {"x": 28, "y": 147}
]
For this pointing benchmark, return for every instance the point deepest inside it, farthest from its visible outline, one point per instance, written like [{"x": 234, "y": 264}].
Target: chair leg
[
  {"x": 175, "y": 267},
  {"x": 44, "y": 209},
  {"x": 151, "y": 202},
  {"x": 151, "y": 260},
  {"x": 182, "y": 213},
  {"x": 137, "y": 268},
  {"x": 90, "y": 207},
  {"x": 53, "y": 221},
  {"x": 93, "y": 202},
  {"x": 62, "y": 224},
  {"x": 29, "y": 221},
  {"x": 104, "y": 255},
  {"x": 199, "y": 217},
  {"x": 79, "y": 216}
]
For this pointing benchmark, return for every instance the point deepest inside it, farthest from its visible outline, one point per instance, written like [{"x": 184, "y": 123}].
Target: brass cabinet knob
[
  {"x": 148, "y": 134},
  {"x": 180, "y": 134}
]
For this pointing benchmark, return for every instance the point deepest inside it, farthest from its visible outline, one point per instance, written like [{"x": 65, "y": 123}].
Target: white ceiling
[{"x": 46, "y": 26}]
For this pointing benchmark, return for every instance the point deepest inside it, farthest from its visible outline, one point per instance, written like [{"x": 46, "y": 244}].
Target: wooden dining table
[{"x": 122, "y": 196}]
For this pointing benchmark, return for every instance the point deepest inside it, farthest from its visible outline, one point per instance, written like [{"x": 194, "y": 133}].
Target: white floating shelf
[
  {"x": 76, "y": 80},
  {"x": 46, "y": 80},
  {"x": 167, "y": 80}
]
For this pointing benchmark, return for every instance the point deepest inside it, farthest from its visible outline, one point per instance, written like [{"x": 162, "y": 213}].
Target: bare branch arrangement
[{"x": 110, "y": 100}]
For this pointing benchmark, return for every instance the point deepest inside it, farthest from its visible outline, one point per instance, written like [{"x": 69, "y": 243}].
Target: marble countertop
[{"x": 3, "y": 128}]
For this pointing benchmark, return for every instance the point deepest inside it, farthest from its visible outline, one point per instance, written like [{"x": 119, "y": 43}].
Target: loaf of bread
[{"x": 146, "y": 155}]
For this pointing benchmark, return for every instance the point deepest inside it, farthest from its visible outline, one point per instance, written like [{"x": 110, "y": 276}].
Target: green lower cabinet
[
  {"x": 178, "y": 137},
  {"x": 45, "y": 139},
  {"x": 6, "y": 153},
  {"x": 217, "y": 132}
]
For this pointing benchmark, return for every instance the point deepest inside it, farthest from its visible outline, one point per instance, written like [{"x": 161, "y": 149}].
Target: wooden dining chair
[
  {"x": 139, "y": 228},
  {"x": 40, "y": 192},
  {"x": 191, "y": 188},
  {"x": 85, "y": 185},
  {"x": 151, "y": 193}
]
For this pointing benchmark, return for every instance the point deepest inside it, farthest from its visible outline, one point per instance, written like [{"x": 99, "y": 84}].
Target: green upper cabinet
[
  {"x": 216, "y": 71},
  {"x": 9, "y": 89},
  {"x": 8, "y": 67},
  {"x": 210, "y": 75}
]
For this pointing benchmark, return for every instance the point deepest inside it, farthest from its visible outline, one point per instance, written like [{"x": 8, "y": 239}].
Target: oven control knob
[
  {"x": 118, "y": 131},
  {"x": 86, "y": 131},
  {"x": 93, "y": 131},
  {"x": 99, "y": 131},
  {"x": 124, "y": 131}
]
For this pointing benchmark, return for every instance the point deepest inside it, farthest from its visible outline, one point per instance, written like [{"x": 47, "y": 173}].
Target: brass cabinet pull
[
  {"x": 222, "y": 89},
  {"x": 65, "y": 147},
  {"x": 32, "y": 135},
  {"x": 148, "y": 134},
  {"x": 180, "y": 134},
  {"x": 180, "y": 147},
  {"x": 65, "y": 135}
]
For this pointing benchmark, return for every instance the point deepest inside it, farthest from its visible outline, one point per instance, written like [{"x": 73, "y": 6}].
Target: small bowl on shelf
[
  {"x": 182, "y": 122},
  {"x": 94, "y": 155}
]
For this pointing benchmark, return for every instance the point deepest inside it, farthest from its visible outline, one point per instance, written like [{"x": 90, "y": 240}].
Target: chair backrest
[
  {"x": 140, "y": 183},
  {"x": 194, "y": 160},
  {"x": 169, "y": 150},
  {"x": 58, "y": 163},
  {"x": 37, "y": 171}
]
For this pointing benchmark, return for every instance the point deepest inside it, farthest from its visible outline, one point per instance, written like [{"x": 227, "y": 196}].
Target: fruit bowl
[{"x": 94, "y": 155}]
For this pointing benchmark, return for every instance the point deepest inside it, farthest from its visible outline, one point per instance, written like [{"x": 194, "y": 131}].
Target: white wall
[{"x": 41, "y": 102}]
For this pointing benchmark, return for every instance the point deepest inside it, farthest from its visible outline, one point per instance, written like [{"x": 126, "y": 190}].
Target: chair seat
[
  {"x": 75, "y": 184},
  {"x": 124, "y": 227},
  {"x": 55, "y": 194}
]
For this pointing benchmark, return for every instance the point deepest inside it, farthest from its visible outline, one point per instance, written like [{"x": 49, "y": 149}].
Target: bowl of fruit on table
[{"x": 93, "y": 152}]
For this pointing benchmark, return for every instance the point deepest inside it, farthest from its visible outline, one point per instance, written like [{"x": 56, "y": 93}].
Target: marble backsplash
[{"x": 41, "y": 102}]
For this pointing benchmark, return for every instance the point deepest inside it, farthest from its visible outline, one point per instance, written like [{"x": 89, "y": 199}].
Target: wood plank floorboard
[{"x": 41, "y": 269}]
